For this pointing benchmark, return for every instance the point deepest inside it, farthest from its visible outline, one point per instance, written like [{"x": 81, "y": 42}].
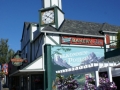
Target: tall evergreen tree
[
  {"x": 5, "y": 52},
  {"x": 118, "y": 39}
]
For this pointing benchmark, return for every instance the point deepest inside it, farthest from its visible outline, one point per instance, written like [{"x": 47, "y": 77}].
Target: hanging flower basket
[{"x": 2, "y": 74}]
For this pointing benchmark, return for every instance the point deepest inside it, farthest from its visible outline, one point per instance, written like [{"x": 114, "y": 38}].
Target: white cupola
[{"x": 50, "y": 3}]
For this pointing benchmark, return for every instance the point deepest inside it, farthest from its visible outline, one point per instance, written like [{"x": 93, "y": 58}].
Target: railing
[{"x": 87, "y": 68}]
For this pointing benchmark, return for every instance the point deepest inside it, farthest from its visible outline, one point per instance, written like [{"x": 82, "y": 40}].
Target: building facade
[{"x": 55, "y": 44}]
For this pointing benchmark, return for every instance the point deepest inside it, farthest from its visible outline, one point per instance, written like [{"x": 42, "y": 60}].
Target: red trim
[{"x": 107, "y": 39}]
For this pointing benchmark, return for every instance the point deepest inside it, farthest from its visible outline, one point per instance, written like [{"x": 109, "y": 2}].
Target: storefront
[
  {"x": 32, "y": 82},
  {"x": 31, "y": 77},
  {"x": 27, "y": 81}
]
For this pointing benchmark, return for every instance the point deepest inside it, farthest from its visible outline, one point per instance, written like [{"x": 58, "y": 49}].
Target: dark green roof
[{"x": 114, "y": 58}]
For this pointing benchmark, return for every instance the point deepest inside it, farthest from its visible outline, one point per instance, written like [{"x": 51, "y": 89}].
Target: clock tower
[{"x": 51, "y": 14}]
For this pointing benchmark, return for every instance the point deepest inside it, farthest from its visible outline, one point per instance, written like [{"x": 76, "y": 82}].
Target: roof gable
[
  {"x": 108, "y": 27},
  {"x": 26, "y": 26}
]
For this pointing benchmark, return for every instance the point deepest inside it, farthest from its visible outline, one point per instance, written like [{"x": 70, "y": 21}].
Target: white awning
[{"x": 25, "y": 72}]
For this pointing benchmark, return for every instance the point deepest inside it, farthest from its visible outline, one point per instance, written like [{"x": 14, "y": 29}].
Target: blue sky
[{"x": 13, "y": 13}]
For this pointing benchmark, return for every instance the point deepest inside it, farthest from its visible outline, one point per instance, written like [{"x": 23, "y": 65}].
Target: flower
[
  {"x": 66, "y": 83},
  {"x": 104, "y": 82}
]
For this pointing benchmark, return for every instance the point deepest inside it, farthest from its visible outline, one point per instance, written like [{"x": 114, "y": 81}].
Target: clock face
[{"x": 48, "y": 17}]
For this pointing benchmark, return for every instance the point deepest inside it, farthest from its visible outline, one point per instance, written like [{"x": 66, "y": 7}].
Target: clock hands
[{"x": 48, "y": 16}]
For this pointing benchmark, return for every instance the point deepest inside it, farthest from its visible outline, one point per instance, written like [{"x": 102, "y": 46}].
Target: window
[{"x": 113, "y": 39}]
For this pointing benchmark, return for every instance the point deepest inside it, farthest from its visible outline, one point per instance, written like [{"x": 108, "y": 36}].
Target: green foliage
[
  {"x": 58, "y": 51},
  {"x": 118, "y": 39},
  {"x": 5, "y": 53}
]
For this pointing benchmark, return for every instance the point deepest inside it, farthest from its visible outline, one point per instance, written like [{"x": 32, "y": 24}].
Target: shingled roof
[
  {"x": 81, "y": 27},
  {"x": 108, "y": 27}
]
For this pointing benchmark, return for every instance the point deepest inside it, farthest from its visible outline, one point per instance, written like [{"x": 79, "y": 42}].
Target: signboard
[
  {"x": 5, "y": 68},
  {"x": 66, "y": 57},
  {"x": 17, "y": 61},
  {"x": 79, "y": 40}
]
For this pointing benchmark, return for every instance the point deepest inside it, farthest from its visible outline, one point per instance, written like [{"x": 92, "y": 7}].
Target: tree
[
  {"x": 118, "y": 39},
  {"x": 5, "y": 53}
]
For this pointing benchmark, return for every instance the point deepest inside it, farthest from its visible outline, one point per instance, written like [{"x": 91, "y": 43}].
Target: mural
[{"x": 68, "y": 57}]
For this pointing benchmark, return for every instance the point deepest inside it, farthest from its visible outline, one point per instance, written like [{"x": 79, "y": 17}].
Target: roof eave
[
  {"x": 110, "y": 32},
  {"x": 64, "y": 33}
]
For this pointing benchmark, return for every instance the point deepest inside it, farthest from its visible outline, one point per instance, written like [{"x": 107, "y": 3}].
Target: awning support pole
[
  {"x": 110, "y": 74},
  {"x": 97, "y": 79}
]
